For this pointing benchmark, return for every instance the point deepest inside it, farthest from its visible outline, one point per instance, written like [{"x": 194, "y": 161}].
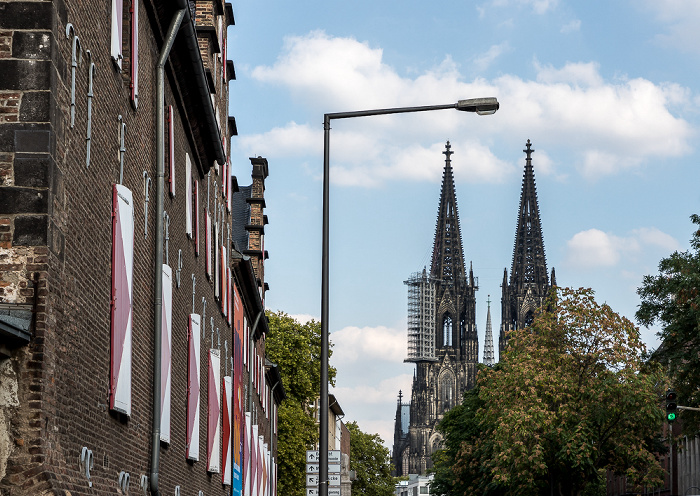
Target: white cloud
[
  {"x": 303, "y": 318},
  {"x": 682, "y": 18},
  {"x": 595, "y": 248},
  {"x": 368, "y": 344},
  {"x": 484, "y": 61},
  {"x": 571, "y": 27},
  {"x": 291, "y": 140},
  {"x": 539, "y": 6},
  {"x": 374, "y": 404},
  {"x": 606, "y": 126}
]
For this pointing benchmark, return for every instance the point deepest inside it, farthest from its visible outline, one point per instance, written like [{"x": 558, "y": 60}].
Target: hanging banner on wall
[
  {"x": 229, "y": 297},
  {"x": 171, "y": 150},
  {"x": 188, "y": 196},
  {"x": 116, "y": 34},
  {"x": 238, "y": 418},
  {"x": 226, "y": 431},
  {"x": 193, "y": 387},
  {"x": 217, "y": 261},
  {"x": 247, "y": 433},
  {"x": 135, "y": 54},
  {"x": 121, "y": 304},
  {"x": 222, "y": 278},
  {"x": 255, "y": 460},
  {"x": 196, "y": 218},
  {"x": 214, "y": 413},
  {"x": 166, "y": 354},
  {"x": 207, "y": 244}
]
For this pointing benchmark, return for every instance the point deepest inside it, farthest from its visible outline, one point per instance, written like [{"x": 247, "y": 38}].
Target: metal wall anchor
[
  {"x": 166, "y": 222},
  {"x": 74, "y": 61},
  {"x": 88, "y": 136},
  {"x": 146, "y": 187},
  {"x": 124, "y": 479},
  {"x": 86, "y": 463},
  {"x": 179, "y": 267},
  {"x": 204, "y": 316},
  {"x": 122, "y": 148},
  {"x": 194, "y": 283}
]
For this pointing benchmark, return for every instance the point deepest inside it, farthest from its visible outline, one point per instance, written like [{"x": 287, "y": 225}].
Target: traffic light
[{"x": 671, "y": 405}]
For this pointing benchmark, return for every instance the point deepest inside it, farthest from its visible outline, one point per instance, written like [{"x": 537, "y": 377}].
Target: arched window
[
  {"x": 447, "y": 331},
  {"x": 446, "y": 392}
]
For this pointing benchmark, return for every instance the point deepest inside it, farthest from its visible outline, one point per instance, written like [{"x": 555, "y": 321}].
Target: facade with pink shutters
[{"x": 131, "y": 325}]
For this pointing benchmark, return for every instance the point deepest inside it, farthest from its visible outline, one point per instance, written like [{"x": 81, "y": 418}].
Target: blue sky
[{"x": 607, "y": 91}]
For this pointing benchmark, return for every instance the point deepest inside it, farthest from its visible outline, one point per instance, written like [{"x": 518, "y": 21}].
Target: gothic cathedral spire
[
  {"x": 529, "y": 284},
  {"x": 448, "y": 259}
]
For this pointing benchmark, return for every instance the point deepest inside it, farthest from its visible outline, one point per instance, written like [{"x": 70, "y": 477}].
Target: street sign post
[{"x": 312, "y": 472}]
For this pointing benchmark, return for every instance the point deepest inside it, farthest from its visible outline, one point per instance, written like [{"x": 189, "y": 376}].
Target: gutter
[{"x": 173, "y": 29}]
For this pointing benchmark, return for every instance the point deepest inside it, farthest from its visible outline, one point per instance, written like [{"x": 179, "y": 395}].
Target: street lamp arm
[{"x": 482, "y": 106}]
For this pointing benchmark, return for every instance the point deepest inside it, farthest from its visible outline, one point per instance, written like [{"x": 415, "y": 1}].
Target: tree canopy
[
  {"x": 296, "y": 349},
  {"x": 370, "y": 460},
  {"x": 672, "y": 299},
  {"x": 572, "y": 397}
]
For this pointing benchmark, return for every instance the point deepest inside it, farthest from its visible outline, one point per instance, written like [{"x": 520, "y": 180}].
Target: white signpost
[{"x": 312, "y": 461}]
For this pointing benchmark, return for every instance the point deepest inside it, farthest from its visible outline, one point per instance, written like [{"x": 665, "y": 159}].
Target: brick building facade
[{"x": 131, "y": 343}]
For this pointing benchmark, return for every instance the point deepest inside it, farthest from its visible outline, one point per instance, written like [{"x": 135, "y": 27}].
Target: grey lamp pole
[{"x": 481, "y": 106}]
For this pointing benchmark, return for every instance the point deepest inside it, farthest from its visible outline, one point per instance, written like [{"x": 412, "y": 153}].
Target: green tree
[
  {"x": 370, "y": 460},
  {"x": 672, "y": 299},
  {"x": 296, "y": 349},
  {"x": 572, "y": 398}
]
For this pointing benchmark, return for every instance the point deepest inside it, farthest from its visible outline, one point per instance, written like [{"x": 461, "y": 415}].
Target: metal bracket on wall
[
  {"x": 166, "y": 223},
  {"x": 226, "y": 357},
  {"x": 76, "y": 57},
  {"x": 204, "y": 317},
  {"x": 122, "y": 148},
  {"x": 88, "y": 135},
  {"x": 123, "y": 481},
  {"x": 146, "y": 189},
  {"x": 144, "y": 484},
  {"x": 86, "y": 463},
  {"x": 177, "y": 490},
  {"x": 179, "y": 267},
  {"x": 194, "y": 283}
]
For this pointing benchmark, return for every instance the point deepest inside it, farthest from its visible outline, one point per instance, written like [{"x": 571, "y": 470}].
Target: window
[{"x": 447, "y": 331}]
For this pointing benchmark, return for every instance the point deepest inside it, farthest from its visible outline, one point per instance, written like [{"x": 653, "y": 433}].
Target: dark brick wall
[{"x": 55, "y": 248}]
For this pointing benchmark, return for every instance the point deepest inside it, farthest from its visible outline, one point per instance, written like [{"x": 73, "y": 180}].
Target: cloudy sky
[{"x": 607, "y": 91}]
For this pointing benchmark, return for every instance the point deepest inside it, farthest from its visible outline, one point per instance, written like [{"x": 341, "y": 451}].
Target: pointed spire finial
[
  {"x": 448, "y": 151},
  {"x": 529, "y": 151}
]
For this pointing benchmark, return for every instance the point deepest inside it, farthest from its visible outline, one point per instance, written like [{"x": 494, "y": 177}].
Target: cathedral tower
[
  {"x": 442, "y": 335},
  {"x": 529, "y": 285}
]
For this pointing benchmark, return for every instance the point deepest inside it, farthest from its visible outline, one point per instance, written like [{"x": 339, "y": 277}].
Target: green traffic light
[{"x": 671, "y": 417}]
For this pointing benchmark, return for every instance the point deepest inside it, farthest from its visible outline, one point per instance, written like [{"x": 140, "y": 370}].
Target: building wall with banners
[{"x": 82, "y": 409}]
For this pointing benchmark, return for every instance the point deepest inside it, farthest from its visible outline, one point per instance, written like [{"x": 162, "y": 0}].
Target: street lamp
[{"x": 482, "y": 106}]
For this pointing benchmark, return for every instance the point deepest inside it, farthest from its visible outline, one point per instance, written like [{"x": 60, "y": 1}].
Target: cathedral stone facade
[{"x": 442, "y": 332}]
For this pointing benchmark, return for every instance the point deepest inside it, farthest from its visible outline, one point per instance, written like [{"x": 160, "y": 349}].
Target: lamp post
[{"x": 481, "y": 106}]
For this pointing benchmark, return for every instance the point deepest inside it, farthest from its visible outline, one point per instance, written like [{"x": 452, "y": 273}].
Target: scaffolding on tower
[{"x": 421, "y": 317}]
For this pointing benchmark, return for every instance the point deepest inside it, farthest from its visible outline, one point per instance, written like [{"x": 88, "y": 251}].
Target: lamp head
[{"x": 482, "y": 106}]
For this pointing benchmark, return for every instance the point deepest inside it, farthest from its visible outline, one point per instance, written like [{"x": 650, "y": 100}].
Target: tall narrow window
[{"x": 447, "y": 331}]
